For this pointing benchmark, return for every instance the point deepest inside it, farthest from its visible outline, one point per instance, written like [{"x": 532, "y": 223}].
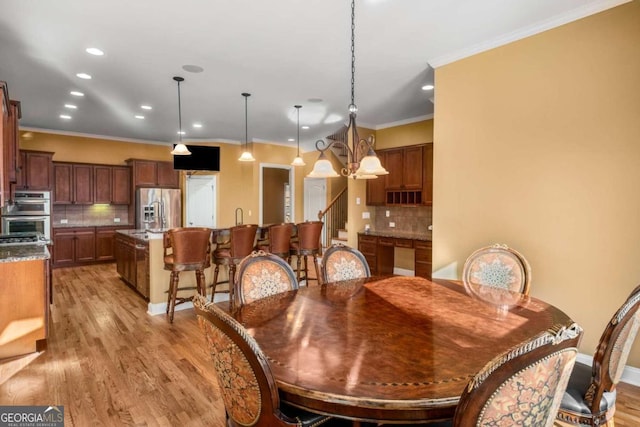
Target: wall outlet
[
  {"x": 392, "y": 224},
  {"x": 357, "y": 200},
  {"x": 116, "y": 219},
  {"x": 387, "y": 213},
  {"x": 366, "y": 215},
  {"x": 64, "y": 221}
]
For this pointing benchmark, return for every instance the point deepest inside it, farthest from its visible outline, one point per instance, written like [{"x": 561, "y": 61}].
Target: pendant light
[
  {"x": 298, "y": 160},
  {"x": 180, "y": 149},
  {"x": 362, "y": 162},
  {"x": 246, "y": 154}
]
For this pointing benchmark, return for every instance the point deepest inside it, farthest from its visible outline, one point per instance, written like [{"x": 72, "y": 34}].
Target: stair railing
[{"x": 334, "y": 217}]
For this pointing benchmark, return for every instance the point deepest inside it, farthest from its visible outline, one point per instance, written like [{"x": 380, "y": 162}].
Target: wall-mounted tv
[{"x": 202, "y": 158}]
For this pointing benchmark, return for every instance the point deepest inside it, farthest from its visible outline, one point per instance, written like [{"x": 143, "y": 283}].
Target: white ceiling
[{"x": 283, "y": 52}]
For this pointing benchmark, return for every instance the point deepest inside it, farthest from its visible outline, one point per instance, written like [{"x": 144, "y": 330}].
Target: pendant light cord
[
  {"x": 298, "y": 108},
  {"x": 179, "y": 115},
  {"x": 246, "y": 121}
]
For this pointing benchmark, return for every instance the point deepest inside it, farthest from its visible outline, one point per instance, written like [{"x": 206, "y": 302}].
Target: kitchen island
[
  {"x": 140, "y": 263},
  {"x": 24, "y": 306}
]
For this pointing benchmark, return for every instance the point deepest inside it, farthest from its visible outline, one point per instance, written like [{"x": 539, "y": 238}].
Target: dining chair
[
  {"x": 186, "y": 249},
  {"x": 245, "y": 379},
  {"x": 239, "y": 243},
  {"x": 262, "y": 274},
  {"x": 497, "y": 266},
  {"x": 306, "y": 243},
  {"x": 524, "y": 385},
  {"x": 590, "y": 398},
  {"x": 278, "y": 240},
  {"x": 341, "y": 262}
]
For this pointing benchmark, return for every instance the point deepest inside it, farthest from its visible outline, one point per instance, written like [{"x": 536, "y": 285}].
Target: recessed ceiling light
[
  {"x": 180, "y": 133},
  {"x": 291, "y": 139},
  {"x": 315, "y": 100},
  {"x": 197, "y": 125},
  {"x": 65, "y": 116},
  {"x": 138, "y": 116},
  {"x": 70, "y": 106},
  {"x": 84, "y": 76},
  {"x": 305, "y": 127},
  {"x": 146, "y": 107},
  {"x": 427, "y": 87},
  {"x": 94, "y": 51},
  {"x": 76, "y": 93},
  {"x": 193, "y": 68}
]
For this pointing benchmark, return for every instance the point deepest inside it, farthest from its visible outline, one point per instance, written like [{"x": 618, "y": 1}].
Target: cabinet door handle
[{"x": 140, "y": 247}]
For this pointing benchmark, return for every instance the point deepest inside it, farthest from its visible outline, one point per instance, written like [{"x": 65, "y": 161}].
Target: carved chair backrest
[
  {"x": 613, "y": 349},
  {"x": 523, "y": 386},
  {"x": 245, "y": 379},
  {"x": 262, "y": 274},
  {"x": 341, "y": 262},
  {"x": 497, "y": 266}
]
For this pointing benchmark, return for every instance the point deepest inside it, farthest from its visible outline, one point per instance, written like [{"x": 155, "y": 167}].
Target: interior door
[
  {"x": 201, "y": 201},
  {"x": 315, "y": 197}
]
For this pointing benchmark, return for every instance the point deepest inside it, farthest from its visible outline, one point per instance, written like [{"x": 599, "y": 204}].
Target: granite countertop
[
  {"x": 143, "y": 235},
  {"x": 14, "y": 253},
  {"x": 89, "y": 225},
  {"x": 399, "y": 234}
]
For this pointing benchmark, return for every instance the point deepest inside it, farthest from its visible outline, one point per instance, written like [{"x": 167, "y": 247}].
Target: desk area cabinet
[{"x": 379, "y": 253}]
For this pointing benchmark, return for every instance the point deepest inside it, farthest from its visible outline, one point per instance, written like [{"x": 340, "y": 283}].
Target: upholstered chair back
[
  {"x": 497, "y": 266},
  {"x": 242, "y": 240},
  {"x": 263, "y": 274},
  {"x": 341, "y": 262},
  {"x": 188, "y": 248},
  {"x": 523, "y": 386},
  {"x": 309, "y": 235}
]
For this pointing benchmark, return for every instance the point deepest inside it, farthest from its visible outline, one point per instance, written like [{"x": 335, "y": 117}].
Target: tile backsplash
[
  {"x": 407, "y": 219},
  {"x": 90, "y": 215}
]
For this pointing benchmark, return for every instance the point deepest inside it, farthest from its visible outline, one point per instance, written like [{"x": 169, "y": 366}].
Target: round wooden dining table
[{"x": 387, "y": 349}]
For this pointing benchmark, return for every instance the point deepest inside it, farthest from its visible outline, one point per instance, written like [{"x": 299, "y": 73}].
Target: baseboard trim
[
  {"x": 630, "y": 375},
  {"x": 161, "y": 307}
]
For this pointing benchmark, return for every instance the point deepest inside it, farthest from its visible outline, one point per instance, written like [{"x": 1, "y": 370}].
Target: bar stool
[
  {"x": 278, "y": 240},
  {"x": 186, "y": 249},
  {"x": 307, "y": 243},
  {"x": 240, "y": 243}
]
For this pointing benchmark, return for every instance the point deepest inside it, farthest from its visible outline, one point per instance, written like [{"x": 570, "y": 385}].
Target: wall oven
[{"x": 29, "y": 212}]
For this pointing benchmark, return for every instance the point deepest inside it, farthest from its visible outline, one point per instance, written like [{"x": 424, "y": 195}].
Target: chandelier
[{"x": 362, "y": 162}]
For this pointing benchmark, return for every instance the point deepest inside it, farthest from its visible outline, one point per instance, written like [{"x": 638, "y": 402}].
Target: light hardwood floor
[{"x": 111, "y": 364}]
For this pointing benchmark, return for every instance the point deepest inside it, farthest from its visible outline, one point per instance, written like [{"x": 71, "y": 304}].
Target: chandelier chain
[{"x": 353, "y": 51}]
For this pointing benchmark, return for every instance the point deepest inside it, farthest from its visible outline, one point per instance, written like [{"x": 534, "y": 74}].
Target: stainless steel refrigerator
[{"x": 158, "y": 208}]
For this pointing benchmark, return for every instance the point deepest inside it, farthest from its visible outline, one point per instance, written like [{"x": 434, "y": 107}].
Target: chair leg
[
  {"x": 215, "y": 281},
  {"x": 298, "y": 261},
  {"x": 315, "y": 264},
  {"x": 169, "y": 292},
  {"x": 232, "y": 284},
  {"x": 200, "y": 283},
  {"x": 175, "y": 278},
  {"x": 306, "y": 269}
]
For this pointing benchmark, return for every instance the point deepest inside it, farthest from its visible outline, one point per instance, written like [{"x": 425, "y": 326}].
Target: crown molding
[
  {"x": 565, "y": 18},
  {"x": 404, "y": 122}
]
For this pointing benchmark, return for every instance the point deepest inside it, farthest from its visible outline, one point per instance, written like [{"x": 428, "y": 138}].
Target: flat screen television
[{"x": 202, "y": 158}]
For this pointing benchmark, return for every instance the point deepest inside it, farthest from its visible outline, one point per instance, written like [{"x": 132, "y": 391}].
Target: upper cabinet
[
  {"x": 9, "y": 128},
  {"x": 150, "y": 173},
  {"x": 35, "y": 171},
  {"x": 112, "y": 184},
  {"x": 410, "y": 178},
  {"x": 73, "y": 184}
]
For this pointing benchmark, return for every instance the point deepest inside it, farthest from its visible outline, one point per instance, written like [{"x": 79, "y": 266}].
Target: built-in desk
[{"x": 379, "y": 249}]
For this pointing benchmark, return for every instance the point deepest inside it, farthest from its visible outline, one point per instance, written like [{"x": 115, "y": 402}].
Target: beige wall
[{"x": 537, "y": 145}]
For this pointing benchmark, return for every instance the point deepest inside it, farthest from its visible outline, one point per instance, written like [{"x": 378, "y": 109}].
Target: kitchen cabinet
[
  {"x": 35, "y": 171},
  {"x": 112, "y": 184},
  {"x": 410, "y": 178},
  {"x": 132, "y": 262},
  {"x": 9, "y": 148},
  {"x": 379, "y": 253},
  {"x": 376, "y": 188},
  {"x": 74, "y": 246},
  {"x": 105, "y": 243},
  {"x": 5, "y": 186},
  {"x": 73, "y": 184},
  {"x": 150, "y": 173}
]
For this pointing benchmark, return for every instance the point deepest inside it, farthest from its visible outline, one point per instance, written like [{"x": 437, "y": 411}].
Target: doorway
[
  {"x": 315, "y": 197},
  {"x": 277, "y": 190},
  {"x": 201, "y": 192}
]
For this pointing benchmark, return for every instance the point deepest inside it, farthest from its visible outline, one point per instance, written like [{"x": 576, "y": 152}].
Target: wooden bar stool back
[
  {"x": 240, "y": 244},
  {"x": 278, "y": 240},
  {"x": 306, "y": 244},
  {"x": 186, "y": 249}
]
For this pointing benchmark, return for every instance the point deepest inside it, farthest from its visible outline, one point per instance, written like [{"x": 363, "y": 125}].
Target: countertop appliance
[
  {"x": 22, "y": 239},
  {"x": 158, "y": 208},
  {"x": 30, "y": 212}
]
